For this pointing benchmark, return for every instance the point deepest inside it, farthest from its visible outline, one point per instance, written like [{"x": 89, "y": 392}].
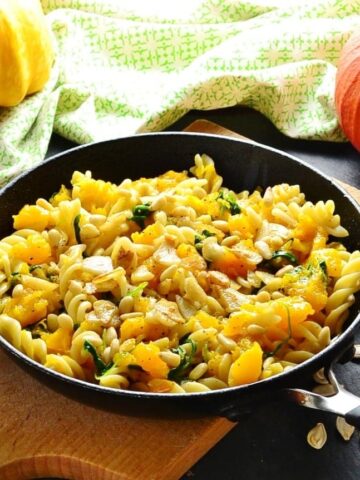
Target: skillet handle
[
  {"x": 353, "y": 417},
  {"x": 342, "y": 403}
]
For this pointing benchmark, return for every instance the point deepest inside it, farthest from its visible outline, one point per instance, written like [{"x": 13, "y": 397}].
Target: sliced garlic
[
  {"x": 344, "y": 428},
  {"x": 166, "y": 255},
  {"x": 186, "y": 309},
  {"x": 164, "y": 312},
  {"x": 317, "y": 436},
  {"x": 98, "y": 265}
]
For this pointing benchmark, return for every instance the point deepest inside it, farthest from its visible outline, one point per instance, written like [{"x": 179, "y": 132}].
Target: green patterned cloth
[{"x": 126, "y": 66}]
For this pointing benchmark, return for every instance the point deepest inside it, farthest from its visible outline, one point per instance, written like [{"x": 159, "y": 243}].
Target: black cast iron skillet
[{"x": 243, "y": 166}]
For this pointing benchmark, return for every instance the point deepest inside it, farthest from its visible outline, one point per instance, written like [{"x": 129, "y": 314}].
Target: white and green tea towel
[{"x": 127, "y": 66}]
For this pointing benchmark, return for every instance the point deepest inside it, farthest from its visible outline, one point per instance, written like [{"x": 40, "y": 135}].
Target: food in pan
[{"x": 175, "y": 283}]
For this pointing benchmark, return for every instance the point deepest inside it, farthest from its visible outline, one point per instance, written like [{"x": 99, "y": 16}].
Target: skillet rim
[{"x": 337, "y": 346}]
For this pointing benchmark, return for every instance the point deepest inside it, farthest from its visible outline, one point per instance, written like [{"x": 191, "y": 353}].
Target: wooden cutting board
[{"x": 43, "y": 434}]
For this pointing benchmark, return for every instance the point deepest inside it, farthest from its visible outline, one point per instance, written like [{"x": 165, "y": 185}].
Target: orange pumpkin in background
[
  {"x": 26, "y": 52},
  {"x": 347, "y": 93}
]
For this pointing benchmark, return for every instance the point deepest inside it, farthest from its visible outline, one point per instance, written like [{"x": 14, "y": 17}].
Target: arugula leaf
[
  {"x": 136, "y": 292},
  {"x": 100, "y": 366},
  {"x": 290, "y": 257},
  {"x": 234, "y": 208},
  {"x": 199, "y": 238},
  {"x": 229, "y": 202},
  {"x": 34, "y": 267},
  {"x": 15, "y": 278},
  {"x": 140, "y": 214},
  {"x": 77, "y": 228},
  {"x": 197, "y": 242},
  {"x": 207, "y": 234},
  {"x": 324, "y": 270},
  {"x": 177, "y": 374}
]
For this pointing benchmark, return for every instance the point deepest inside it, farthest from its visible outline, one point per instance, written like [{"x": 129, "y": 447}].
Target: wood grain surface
[{"x": 43, "y": 434}]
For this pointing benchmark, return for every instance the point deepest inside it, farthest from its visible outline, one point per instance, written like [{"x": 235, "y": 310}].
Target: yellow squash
[{"x": 26, "y": 52}]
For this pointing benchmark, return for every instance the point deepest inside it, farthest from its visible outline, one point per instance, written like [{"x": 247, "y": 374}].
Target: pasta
[{"x": 174, "y": 284}]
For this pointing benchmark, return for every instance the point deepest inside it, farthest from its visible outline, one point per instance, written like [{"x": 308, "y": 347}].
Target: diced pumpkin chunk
[
  {"x": 132, "y": 328},
  {"x": 60, "y": 196},
  {"x": 235, "y": 324},
  {"x": 147, "y": 356},
  {"x": 94, "y": 195},
  {"x": 197, "y": 204},
  {"x": 206, "y": 320},
  {"x": 169, "y": 180},
  {"x": 28, "y": 308},
  {"x": 241, "y": 224},
  {"x": 155, "y": 331},
  {"x": 149, "y": 234},
  {"x": 247, "y": 367},
  {"x": 136, "y": 327},
  {"x": 34, "y": 251},
  {"x": 275, "y": 313},
  {"x": 332, "y": 258},
  {"x": 58, "y": 341},
  {"x": 32, "y": 216},
  {"x": 306, "y": 228},
  {"x": 307, "y": 282},
  {"x": 233, "y": 265},
  {"x": 292, "y": 309}
]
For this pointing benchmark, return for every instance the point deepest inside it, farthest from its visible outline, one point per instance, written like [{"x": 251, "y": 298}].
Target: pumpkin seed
[
  {"x": 319, "y": 377},
  {"x": 317, "y": 436},
  {"x": 344, "y": 428},
  {"x": 326, "y": 390}
]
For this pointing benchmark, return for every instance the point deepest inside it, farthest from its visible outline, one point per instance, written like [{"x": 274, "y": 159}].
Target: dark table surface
[{"x": 270, "y": 443}]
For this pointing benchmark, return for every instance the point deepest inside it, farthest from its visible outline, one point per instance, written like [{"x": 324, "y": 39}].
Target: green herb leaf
[
  {"x": 140, "y": 214},
  {"x": 15, "y": 278},
  {"x": 228, "y": 201},
  {"x": 199, "y": 238},
  {"x": 177, "y": 374},
  {"x": 290, "y": 257},
  {"x": 34, "y": 267},
  {"x": 100, "y": 366},
  {"x": 207, "y": 234},
  {"x": 112, "y": 370},
  {"x": 77, "y": 228},
  {"x": 136, "y": 292},
  {"x": 323, "y": 267},
  {"x": 234, "y": 208}
]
